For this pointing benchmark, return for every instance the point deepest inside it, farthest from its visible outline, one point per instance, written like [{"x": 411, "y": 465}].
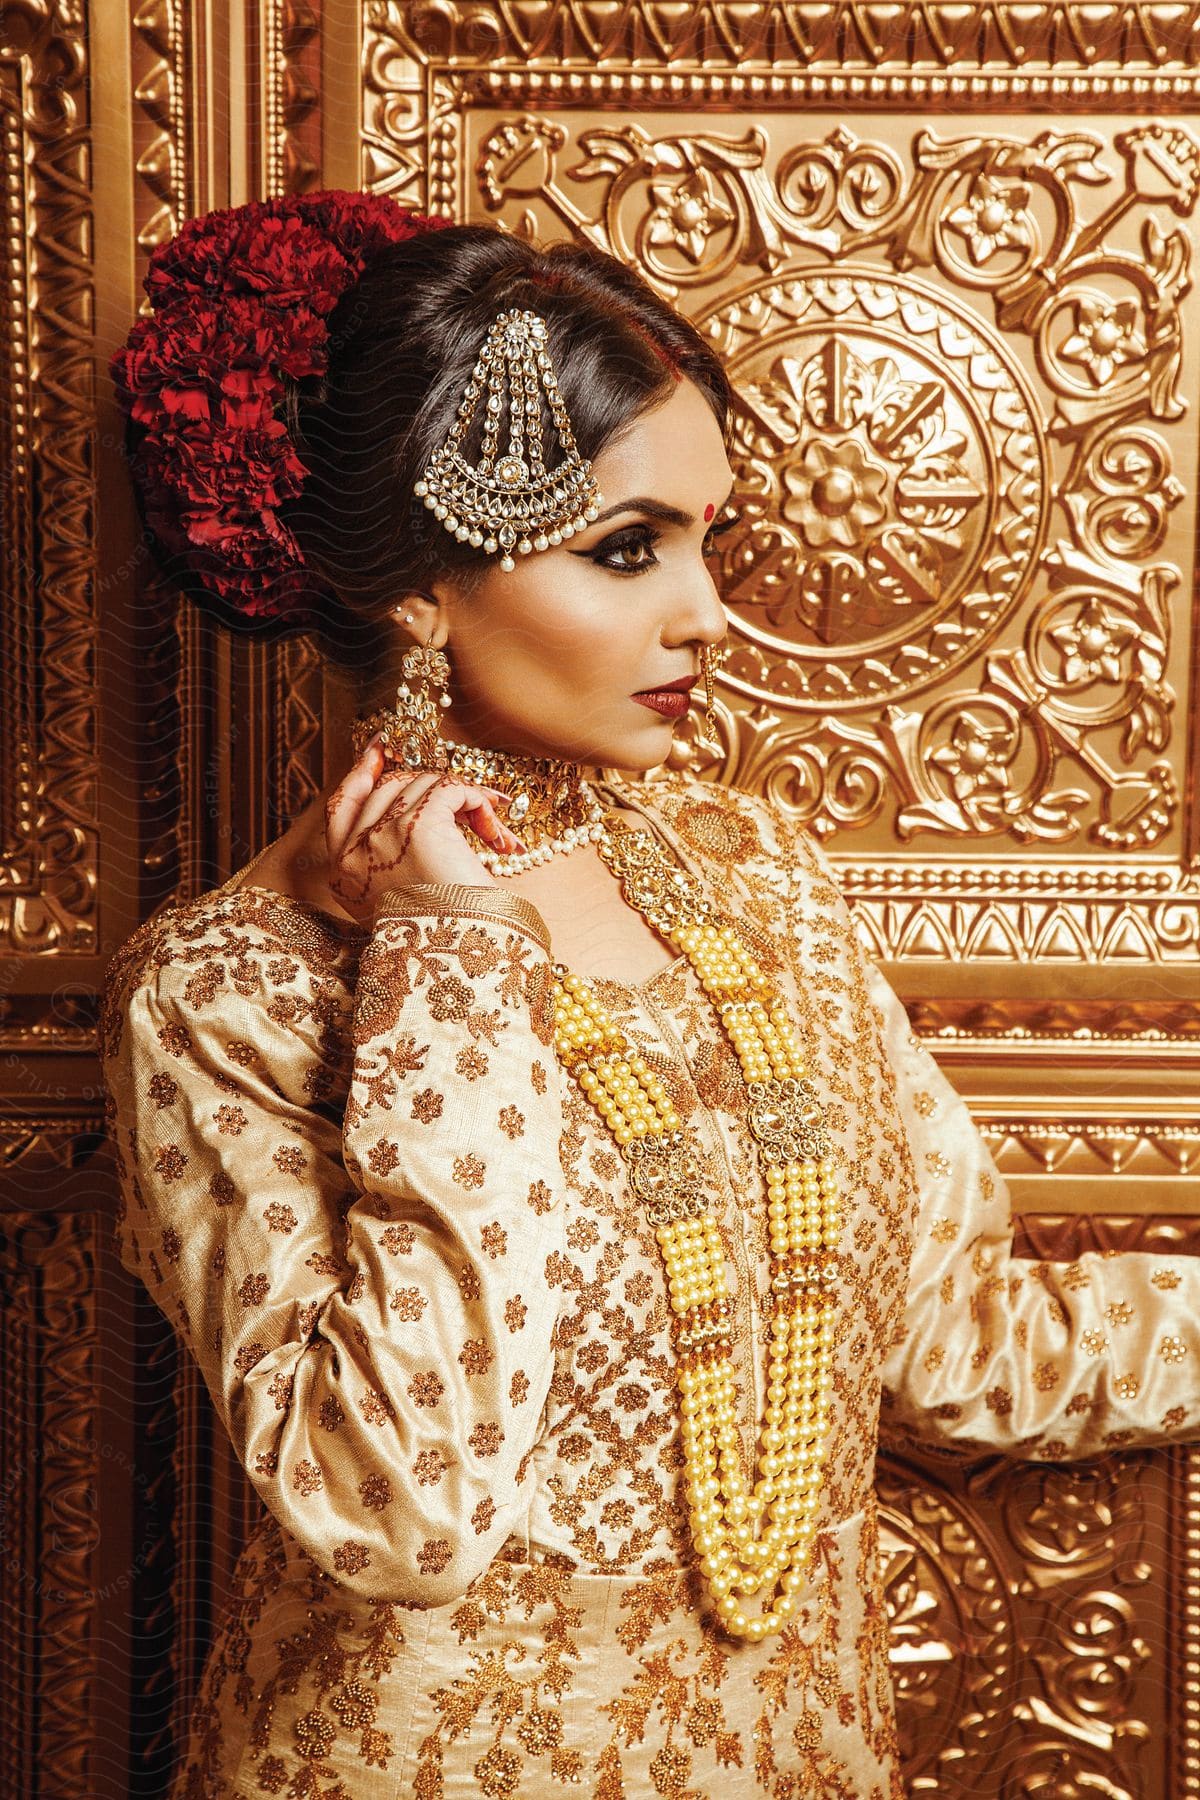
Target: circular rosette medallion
[{"x": 893, "y": 472}]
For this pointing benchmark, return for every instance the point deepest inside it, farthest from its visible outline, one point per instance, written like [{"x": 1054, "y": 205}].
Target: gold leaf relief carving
[
  {"x": 917, "y": 38},
  {"x": 1085, "y": 1148},
  {"x": 49, "y": 1543},
  {"x": 291, "y": 55},
  {"x": 951, "y": 1629},
  {"x": 49, "y": 827},
  {"x": 1022, "y": 1624},
  {"x": 928, "y": 502},
  {"x": 505, "y": 102},
  {"x": 161, "y": 71}
]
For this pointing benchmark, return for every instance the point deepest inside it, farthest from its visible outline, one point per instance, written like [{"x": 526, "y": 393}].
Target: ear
[{"x": 429, "y": 615}]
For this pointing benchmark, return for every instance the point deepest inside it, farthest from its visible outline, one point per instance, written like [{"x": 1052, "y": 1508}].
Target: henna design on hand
[{"x": 353, "y": 888}]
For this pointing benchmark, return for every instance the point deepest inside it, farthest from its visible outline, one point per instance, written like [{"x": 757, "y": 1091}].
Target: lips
[
  {"x": 684, "y": 685},
  {"x": 670, "y": 704}
]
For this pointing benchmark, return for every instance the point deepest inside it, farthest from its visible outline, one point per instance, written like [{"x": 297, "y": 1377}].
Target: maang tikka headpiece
[{"x": 511, "y": 501}]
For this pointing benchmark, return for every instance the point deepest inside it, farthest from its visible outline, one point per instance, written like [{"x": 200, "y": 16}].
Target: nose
[{"x": 698, "y": 614}]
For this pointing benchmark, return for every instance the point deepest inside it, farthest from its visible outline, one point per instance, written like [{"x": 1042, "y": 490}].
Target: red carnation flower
[{"x": 241, "y": 298}]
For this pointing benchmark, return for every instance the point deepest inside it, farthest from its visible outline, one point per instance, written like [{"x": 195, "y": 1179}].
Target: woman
[{"x": 509, "y": 1140}]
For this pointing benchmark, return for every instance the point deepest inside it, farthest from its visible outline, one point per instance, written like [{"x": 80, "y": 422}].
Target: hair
[{"x": 403, "y": 342}]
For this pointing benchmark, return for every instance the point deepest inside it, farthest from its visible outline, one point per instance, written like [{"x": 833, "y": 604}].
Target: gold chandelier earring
[{"x": 410, "y": 732}]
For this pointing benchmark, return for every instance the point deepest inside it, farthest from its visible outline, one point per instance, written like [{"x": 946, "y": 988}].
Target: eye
[{"x": 628, "y": 552}]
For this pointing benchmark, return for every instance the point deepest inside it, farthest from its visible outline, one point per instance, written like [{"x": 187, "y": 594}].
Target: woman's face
[{"x": 546, "y": 659}]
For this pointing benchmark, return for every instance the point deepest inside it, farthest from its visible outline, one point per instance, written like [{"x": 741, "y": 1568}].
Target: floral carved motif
[
  {"x": 1024, "y": 1637},
  {"x": 950, "y": 606}
]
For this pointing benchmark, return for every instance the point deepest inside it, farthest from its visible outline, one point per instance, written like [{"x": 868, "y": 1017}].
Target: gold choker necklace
[{"x": 553, "y": 809}]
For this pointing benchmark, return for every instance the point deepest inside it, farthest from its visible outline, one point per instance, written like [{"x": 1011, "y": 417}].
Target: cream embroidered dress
[{"x": 400, "y": 1245}]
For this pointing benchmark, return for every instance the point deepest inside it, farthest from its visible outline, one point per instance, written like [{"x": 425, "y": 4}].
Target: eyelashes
[
  {"x": 632, "y": 538},
  {"x": 643, "y": 538}
]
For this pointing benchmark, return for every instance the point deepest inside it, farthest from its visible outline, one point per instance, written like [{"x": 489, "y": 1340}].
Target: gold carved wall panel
[
  {"x": 957, "y": 305},
  {"x": 948, "y": 252},
  {"x": 960, "y": 593}
]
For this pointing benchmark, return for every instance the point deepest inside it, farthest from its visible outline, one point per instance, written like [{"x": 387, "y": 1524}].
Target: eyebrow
[{"x": 656, "y": 509}]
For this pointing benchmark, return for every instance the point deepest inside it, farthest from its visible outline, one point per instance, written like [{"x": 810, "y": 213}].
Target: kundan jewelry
[
  {"x": 410, "y": 729},
  {"x": 710, "y": 656},
  {"x": 551, "y": 807},
  {"x": 508, "y": 501},
  {"x": 748, "y": 1541}
]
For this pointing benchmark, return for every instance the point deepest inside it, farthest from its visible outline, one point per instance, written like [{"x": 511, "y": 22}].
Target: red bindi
[{"x": 709, "y": 510}]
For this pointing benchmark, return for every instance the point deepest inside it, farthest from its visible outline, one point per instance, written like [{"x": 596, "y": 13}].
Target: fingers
[
  {"x": 391, "y": 793},
  {"x": 374, "y": 793},
  {"x": 365, "y": 794},
  {"x": 345, "y": 802},
  {"x": 482, "y": 807}
]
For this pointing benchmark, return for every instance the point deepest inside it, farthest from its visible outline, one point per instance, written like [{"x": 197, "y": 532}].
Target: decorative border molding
[
  {"x": 291, "y": 95},
  {"x": 161, "y": 70},
  {"x": 1153, "y": 923},
  {"x": 1095, "y": 1029},
  {"x": 1187, "y": 1660},
  {"x": 287, "y": 680},
  {"x": 1062, "y": 1237},
  {"x": 48, "y": 1595},
  {"x": 50, "y": 824},
  {"x": 1058, "y": 42},
  {"x": 1078, "y": 1148},
  {"x": 45, "y": 1147},
  {"x": 770, "y": 91}
]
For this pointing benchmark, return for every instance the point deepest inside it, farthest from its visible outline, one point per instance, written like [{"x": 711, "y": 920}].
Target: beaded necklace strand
[{"x": 747, "y": 1542}]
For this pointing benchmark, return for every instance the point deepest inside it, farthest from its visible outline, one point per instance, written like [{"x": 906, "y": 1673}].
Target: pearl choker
[{"x": 552, "y": 807}]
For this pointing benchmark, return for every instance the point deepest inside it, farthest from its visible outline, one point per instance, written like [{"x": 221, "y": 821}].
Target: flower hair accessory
[{"x": 241, "y": 299}]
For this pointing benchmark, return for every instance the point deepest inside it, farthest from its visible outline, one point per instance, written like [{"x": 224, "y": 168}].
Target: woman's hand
[{"x": 385, "y": 831}]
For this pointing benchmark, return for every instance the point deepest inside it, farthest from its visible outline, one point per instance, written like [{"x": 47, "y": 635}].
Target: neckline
[{"x": 636, "y": 987}]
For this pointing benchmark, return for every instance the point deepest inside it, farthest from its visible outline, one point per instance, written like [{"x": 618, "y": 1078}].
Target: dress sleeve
[
  {"x": 1055, "y": 1360},
  {"x": 993, "y": 1352},
  {"x": 365, "y": 1294}
]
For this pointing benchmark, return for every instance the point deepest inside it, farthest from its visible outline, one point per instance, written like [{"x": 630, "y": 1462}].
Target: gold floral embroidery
[{"x": 374, "y": 1337}]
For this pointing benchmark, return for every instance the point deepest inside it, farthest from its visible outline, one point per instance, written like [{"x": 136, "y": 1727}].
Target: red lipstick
[{"x": 671, "y": 699}]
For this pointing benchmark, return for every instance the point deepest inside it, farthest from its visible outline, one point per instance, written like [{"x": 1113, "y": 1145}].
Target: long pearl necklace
[{"x": 747, "y": 1541}]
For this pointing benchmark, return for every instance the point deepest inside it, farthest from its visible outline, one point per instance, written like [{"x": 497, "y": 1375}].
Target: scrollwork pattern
[
  {"x": 990, "y": 1562},
  {"x": 902, "y": 443}
]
